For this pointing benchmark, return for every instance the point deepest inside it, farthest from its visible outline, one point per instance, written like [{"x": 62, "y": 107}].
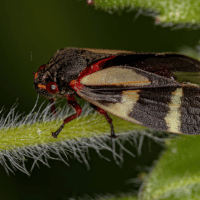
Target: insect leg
[
  {"x": 109, "y": 120},
  {"x": 53, "y": 107},
  {"x": 73, "y": 103}
]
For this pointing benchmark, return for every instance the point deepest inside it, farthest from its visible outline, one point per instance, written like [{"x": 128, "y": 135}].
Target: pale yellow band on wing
[
  {"x": 121, "y": 109},
  {"x": 173, "y": 117},
  {"x": 115, "y": 76}
]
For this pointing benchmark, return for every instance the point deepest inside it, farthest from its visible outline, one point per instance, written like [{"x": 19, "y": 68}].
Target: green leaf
[
  {"x": 165, "y": 11},
  {"x": 30, "y": 137},
  {"x": 177, "y": 174}
]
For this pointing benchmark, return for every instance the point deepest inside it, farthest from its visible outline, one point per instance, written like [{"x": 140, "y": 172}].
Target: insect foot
[{"x": 55, "y": 134}]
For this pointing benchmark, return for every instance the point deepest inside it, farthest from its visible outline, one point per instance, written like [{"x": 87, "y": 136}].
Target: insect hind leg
[{"x": 109, "y": 120}]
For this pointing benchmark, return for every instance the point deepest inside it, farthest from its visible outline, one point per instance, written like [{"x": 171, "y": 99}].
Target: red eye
[{"x": 52, "y": 88}]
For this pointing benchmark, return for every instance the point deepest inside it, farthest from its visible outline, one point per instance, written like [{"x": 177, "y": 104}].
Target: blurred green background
[{"x": 42, "y": 27}]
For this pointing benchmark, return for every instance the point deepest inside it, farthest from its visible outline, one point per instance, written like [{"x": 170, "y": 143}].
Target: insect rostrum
[{"x": 156, "y": 90}]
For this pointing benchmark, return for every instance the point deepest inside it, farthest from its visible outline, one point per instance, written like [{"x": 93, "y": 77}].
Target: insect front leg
[
  {"x": 73, "y": 103},
  {"x": 109, "y": 120}
]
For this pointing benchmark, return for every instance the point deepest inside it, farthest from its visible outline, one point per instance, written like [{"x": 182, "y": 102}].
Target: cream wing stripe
[
  {"x": 173, "y": 117},
  {"x": 121, "y": 109},
  {"x": 115, "y": 76}
]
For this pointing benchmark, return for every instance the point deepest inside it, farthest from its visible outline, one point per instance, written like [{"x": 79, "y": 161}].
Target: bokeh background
[{"x": 40, "y": 28}]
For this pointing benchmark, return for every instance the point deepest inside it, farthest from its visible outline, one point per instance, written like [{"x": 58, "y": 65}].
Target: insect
[{"x": 156, "y": 90}]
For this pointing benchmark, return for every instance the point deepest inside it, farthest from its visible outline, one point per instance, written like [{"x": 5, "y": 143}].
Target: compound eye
[{"x": 52, "y": 88}]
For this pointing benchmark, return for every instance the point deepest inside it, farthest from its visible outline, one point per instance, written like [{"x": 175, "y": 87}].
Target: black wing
[{"x": 138, "y": 91}]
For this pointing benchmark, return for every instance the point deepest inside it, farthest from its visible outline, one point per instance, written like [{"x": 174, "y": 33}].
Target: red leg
[
  {"x": 109, "y": 120},
  {"x": 73, "y": 103},
  {"x": 53, "y": 107}
]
